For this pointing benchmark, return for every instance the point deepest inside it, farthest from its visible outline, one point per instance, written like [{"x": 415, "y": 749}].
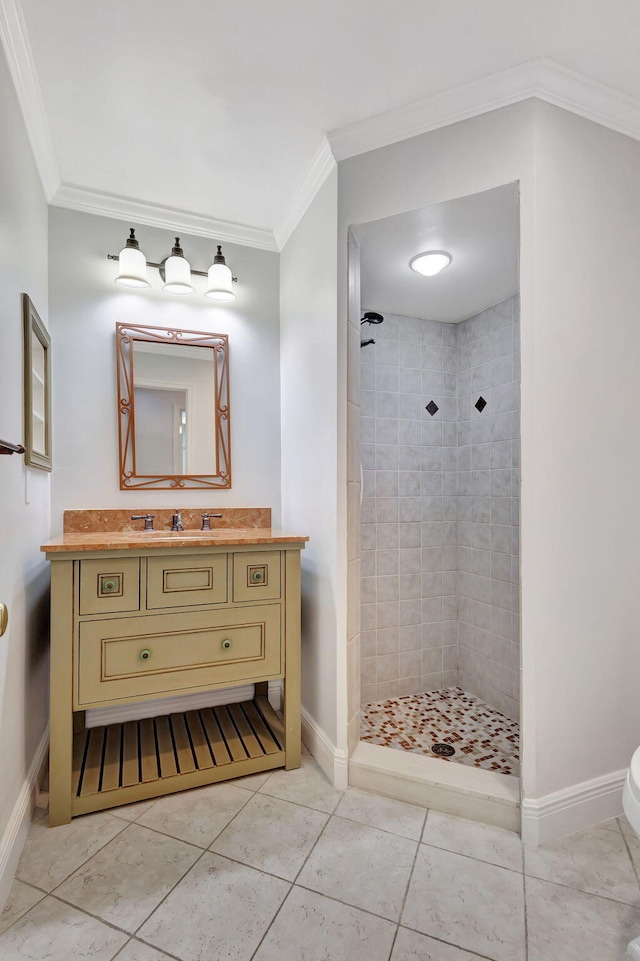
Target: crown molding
[
  {"x": 154, "y": 215},
  {"x": 14, "y": 39},
  {"x": 321, "y": 166},
  {"x": 540, "y": 78}
]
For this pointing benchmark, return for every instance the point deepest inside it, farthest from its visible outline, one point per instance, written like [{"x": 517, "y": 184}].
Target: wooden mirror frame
[
  {"x": 32, "y": 325},
  {"x": 126, "y": 335}
]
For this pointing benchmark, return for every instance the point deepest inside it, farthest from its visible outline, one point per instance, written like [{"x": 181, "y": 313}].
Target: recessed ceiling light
[{"x": 430, "y": 263}]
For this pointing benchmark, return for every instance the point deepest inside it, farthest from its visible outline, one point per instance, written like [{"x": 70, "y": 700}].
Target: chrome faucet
[
  {"x": 206, "y": 521},
  {"x": 176, "y": 522},
  {"x": 147, "y": 518}
]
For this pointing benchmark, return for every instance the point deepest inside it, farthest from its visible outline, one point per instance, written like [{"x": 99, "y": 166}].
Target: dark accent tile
[
  {"x": 432, "y": 407},
  {"x": 480, "y": 404}
]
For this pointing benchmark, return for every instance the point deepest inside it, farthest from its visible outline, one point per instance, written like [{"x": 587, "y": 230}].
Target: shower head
[{"x": 371, "y": 317}]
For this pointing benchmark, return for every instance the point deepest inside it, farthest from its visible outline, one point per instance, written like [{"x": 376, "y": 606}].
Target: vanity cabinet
[{"x": 135, "y": 625}]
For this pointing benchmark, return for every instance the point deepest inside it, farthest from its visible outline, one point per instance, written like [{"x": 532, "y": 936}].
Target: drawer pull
[
  {"x": 226, "y": 644},
  {"x": 257, "y": 577},
  {"x": 144, "y": 654},
  {"x": 108, "y": 586}
]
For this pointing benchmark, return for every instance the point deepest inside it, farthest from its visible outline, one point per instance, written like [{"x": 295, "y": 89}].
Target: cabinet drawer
[
  {"x": 110, "y": 585},
  {"x": 122, "y": 658},
  {"x": 186, "y": 581},
  {"x": 256, "y": 576}
]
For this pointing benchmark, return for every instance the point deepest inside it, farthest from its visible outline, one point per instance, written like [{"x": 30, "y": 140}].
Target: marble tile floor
[
  {"x": 479, "y": 735},
  {"x": 283, "y": 867}
]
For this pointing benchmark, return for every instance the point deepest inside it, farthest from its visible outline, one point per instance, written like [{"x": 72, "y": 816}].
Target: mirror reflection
[
  {"x": 174, "y": 393},
  {"x": 38, "y": 400},
  {"x": 173, "y": 408}
]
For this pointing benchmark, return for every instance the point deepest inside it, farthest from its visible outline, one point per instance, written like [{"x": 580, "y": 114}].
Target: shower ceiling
[{"x": 481, "y": 234}]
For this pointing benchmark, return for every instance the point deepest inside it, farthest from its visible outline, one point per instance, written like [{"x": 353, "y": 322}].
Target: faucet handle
[
  {"x": 206, "y": 521},
  {"x": 147, "y": 518}
]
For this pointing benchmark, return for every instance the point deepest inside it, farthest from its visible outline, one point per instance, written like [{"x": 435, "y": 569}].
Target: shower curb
[{"x": 431, "y": 783}]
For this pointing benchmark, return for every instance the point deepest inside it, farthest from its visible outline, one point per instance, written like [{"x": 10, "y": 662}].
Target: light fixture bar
[{"x": 198, "y": 273}]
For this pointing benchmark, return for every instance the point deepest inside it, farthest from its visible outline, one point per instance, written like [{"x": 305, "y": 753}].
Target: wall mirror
[
  {"x": 173, "y": 408},
  {"x": 37, "y": 388}
]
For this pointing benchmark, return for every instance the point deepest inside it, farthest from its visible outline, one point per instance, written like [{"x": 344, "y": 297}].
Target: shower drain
[{"x": 443, "y": 750}]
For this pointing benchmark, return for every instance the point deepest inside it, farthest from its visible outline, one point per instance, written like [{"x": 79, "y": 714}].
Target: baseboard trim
[
  {"x": 15, "y": 833},
  {"x": 572, "y": 809},
  {"x": 333, "y": 762}
]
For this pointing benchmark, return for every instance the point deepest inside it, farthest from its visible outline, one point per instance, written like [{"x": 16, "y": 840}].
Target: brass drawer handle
[
  {"x": 108, "y": 586},
  {"x": 144, "y": 654},
  {"x": 226, "y": 644}
]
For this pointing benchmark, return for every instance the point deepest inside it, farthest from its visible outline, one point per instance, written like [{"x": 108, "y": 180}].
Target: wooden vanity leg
[
  {"x": 61, "y": 733},
  {"x": 291, "y": 704}
]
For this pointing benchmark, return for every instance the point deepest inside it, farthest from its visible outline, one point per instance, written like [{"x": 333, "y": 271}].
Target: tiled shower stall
[{"x": 440, "y": 507}]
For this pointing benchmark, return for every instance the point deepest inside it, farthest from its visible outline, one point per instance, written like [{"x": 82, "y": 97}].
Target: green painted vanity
[{"x": 143, "y": 616}]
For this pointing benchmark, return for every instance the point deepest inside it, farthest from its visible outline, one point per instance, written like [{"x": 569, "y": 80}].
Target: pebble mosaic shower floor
[{"x": 481, "y": 736}]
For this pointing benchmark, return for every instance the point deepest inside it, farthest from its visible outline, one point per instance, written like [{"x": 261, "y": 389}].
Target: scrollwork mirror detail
[{"x": 173, "y": 408}]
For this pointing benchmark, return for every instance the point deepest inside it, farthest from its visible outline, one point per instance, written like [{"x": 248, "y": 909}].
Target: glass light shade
[
  {"x": 430, "y": 263},
  {"x": 133, "y": 268},
  {"x": 219, "y": 284},
  {"x": 177, "y": 276}
]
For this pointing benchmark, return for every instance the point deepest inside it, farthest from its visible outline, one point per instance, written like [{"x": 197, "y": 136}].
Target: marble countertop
[{"x": 141, "y": 540}]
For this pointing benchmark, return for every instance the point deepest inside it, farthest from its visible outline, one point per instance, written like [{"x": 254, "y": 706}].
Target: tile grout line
[
  {"x": 203, "y": 851},
  {"x": 198, "y": 859},
  {"x": 110, "y": 924},
  {"x": 408, "y": 886},
  {"x": 120, "y": 950},
  {"x": 292, "y": 885},
  {"x": 272, "y": 922},
  {"x": 346, "y": 904},
  {"x": 26, "y": 911},
  {"x": 173, "y": 887},
  {"x": 125, "y": 824},
  {"x": 148, "y": 944},
  {"x": 589, "y": 894},
  {"x": 472, "y": 857},
  {"x": 452, "y": 944}
]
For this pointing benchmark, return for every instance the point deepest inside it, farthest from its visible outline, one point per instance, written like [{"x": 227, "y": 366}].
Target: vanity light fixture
[
  {"x": 430, "y": 263},
  {"x": 220, "y": 280},
  {"x": 175, "y": 271},
  {"x": 133, "y": 264}
]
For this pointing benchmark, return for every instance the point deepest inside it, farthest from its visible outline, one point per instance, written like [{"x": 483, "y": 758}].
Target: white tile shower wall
[
  {"x": 409, "y": 543},
  {"x": 440, "y": 507},
  {"x": 488, "y": 506}
]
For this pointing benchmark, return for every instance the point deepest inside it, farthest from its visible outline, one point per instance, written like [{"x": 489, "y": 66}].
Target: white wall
[
  {"x": 23, "y": 527},
  {"x": 309, "y": 427},
  {"x": 85, "y": 305},
  {"x": 581, "y": 457}
]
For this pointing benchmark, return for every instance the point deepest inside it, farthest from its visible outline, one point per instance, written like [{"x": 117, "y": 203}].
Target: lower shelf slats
[
  {"x": 124, "y": 755},
  {"x": 92, "y": 770},
  {"x": 148, "y": 752},
  {"x": 166, "y": 753},
  {"x": 236, "y": 747},
  {"x": 198, "y": 740},
  {"x": 130, "y": 754}
]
